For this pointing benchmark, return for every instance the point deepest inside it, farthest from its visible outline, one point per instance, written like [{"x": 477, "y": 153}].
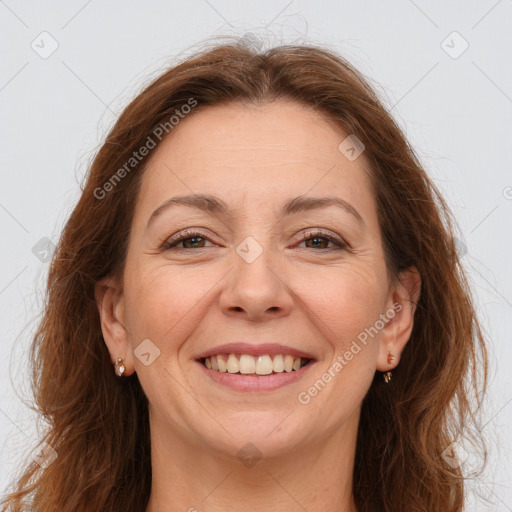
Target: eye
[
  {"x": 190, "y": 238},
  {"x": 319, "y": 237},
  {"x": 194, "y": 239}
]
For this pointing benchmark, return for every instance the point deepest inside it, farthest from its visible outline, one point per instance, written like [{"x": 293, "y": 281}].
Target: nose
[{"x": 256, "y": 290}]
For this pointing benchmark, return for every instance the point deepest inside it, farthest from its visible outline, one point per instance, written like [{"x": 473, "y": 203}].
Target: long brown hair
[{"x": 98, "y": 424}]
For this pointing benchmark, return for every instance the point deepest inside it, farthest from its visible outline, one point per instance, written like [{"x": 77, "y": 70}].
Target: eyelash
[{"x": 308, "y": 235}]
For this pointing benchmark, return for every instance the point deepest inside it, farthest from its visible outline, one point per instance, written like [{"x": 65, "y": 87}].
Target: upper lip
[{"x": 255, "y": 350}]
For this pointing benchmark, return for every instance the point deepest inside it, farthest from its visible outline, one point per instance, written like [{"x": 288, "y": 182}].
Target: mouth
[
  {"x": 244, "y": 373},
  {"x": 256, "y": 366}
]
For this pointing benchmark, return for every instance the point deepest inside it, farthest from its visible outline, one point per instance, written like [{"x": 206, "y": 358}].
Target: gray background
[{"x": 454, "y": 105}]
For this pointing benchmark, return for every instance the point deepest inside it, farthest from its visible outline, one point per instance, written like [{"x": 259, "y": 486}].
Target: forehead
[{"x": 251, "y": 155}]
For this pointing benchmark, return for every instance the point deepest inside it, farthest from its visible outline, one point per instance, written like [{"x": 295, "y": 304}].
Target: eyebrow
[{"x": 216, "y": 206}]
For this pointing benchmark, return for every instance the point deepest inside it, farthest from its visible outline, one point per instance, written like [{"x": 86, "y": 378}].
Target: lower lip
[{"x": 240, "y": 382}]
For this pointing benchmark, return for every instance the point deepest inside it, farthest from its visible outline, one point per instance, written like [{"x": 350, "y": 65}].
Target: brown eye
[
  {"x": 189, "y": 239},
  {"x": 192, "y": 243},
  {"x": 320, "y": 240}
]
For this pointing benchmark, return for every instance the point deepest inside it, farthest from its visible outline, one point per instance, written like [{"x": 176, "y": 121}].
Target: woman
[{"x": 256, "y": 304}]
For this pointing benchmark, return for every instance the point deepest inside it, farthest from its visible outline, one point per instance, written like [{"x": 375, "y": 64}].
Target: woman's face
[{"x": 260, "y": 270}]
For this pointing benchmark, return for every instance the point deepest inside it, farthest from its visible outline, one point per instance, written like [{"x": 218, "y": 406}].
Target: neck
[{"x": 189, "y": 476}]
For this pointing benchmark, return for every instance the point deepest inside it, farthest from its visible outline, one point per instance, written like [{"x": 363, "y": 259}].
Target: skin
[{"x": 302, "y": 292}]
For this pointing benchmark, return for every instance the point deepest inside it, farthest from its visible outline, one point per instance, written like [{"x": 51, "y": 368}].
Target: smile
[
  {"x": 248, "y": 373},
  {"x": 246, "y": 364}
]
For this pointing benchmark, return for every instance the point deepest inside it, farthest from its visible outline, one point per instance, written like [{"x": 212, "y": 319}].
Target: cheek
[
  {"x": 346, "y": 303},
  {"x": 163, "y": 302},
  {"x": 346, "y": 300}
]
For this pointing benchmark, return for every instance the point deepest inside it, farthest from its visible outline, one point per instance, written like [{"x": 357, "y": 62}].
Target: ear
[
  {"x": 403, "y": 298},
  {"x": 110, "y": 302}
]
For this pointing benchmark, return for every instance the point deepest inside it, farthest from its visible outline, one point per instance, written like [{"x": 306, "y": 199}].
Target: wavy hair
[{"x": 98, "y": 424}]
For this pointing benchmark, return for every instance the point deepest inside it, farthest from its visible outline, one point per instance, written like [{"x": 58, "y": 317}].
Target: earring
[
  {"x": 387, "y": 375},
  {"x": 120, "y": 367}
]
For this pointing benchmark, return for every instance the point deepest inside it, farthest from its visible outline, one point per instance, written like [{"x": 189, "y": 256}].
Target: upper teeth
[{"x": 260, "y": 365}]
